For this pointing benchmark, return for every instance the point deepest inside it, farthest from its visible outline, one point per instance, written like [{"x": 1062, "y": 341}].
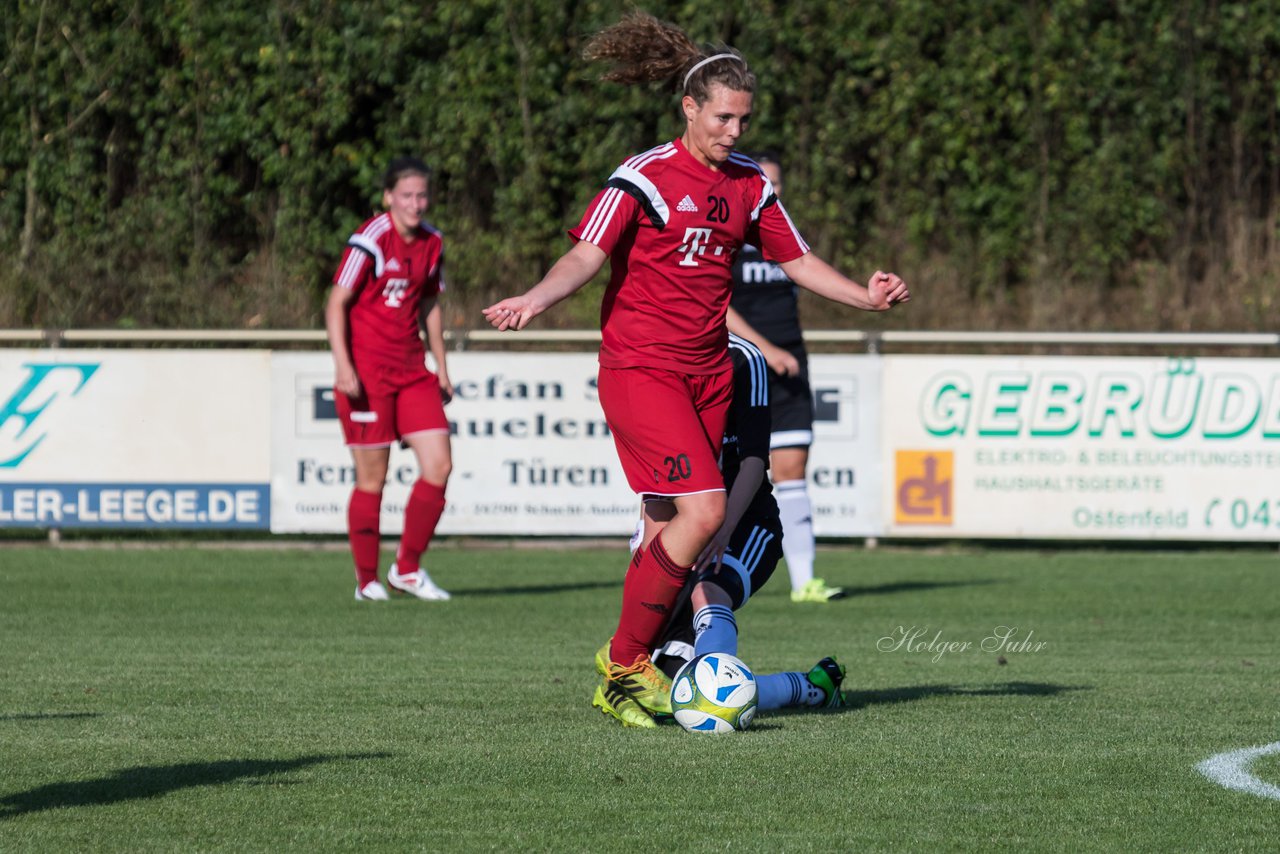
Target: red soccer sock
[
  {"x": 653, "y": 581},
  {"x": 363, "y": 516},
  {"x": 421, "y": 515}
]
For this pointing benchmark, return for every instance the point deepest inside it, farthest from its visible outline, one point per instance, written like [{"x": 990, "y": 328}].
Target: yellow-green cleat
[
  {"x": 644, "y": 683},
  {"x": 612, "y": 700},
  {"x": 816, "y": 590},
  {"x": 602, "y": 659}
]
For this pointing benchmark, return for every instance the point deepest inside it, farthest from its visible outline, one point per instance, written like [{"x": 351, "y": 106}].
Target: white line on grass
[{"x": 1231, "y": 770}]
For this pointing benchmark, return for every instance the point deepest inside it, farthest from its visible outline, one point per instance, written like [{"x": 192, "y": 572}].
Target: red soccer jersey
[
  {"x": 391, "y": 277},
  {"x": 671, "y": 227}
]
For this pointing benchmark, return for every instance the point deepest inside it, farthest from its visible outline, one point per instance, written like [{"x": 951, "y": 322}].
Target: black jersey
[
  {"x": 766, "y": 298},
  {"x": 746, "y": 432},
  {"x": 756, "y": 545}
]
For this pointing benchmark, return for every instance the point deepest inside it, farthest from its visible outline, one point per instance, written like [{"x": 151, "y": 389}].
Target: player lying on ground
[{"x": 739, "y": 560}]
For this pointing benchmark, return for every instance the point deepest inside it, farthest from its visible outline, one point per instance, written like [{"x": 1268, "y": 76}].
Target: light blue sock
[
  {"x": 780, "y": 690},
  {"x": 715, "y": 630}
]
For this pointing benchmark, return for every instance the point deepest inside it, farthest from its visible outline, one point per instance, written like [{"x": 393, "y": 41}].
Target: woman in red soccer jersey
[
  {"x": 670, "y": 221},
  {"x": 386, "y": 289}
]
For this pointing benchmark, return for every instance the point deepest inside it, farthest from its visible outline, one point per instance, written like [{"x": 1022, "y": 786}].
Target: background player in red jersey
[
  {"x": 385, "y": 292},
  {"x": 764, "y": 310},
  {"x": 670, "y": 221}
]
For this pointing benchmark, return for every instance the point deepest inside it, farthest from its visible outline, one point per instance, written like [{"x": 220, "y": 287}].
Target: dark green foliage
[{"x": 1048, "y": 164}]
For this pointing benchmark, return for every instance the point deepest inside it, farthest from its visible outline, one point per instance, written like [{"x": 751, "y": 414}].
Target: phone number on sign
[{"x": 135, "y": 505}]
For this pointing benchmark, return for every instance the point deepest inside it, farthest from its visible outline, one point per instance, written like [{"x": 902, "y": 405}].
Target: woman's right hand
[
  {"x": 512, "y": 313},
  {"x": 781, "y": 362},
  {"x": 346, "y": 382}
]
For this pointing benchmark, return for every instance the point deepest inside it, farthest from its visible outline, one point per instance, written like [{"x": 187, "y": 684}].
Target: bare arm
[
  {"x": 780, "y": 361},
  {"x": 574, "y": 269},
  {"x": 433, "y": 323},
  {"x": 882, "y": 291},
  {"x": 750, "y": 476},
  {"x": 336, "y": 310}
]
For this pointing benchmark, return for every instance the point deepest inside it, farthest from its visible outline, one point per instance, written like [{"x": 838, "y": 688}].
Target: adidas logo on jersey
[
  {"x": 393, "y": 266},
  {"x": 687, "y": 206}
]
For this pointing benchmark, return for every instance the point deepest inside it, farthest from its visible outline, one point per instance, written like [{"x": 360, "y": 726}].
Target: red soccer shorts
[
  {"x": 668, "y": 427},
  {"x": 378, "y": 421}
]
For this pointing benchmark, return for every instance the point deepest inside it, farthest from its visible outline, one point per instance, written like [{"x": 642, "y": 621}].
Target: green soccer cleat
[
  {"x": 827, "y": 675},
  {"x": 602, "y": 659},
  {"x": 816, "y": 590},
  {"x": 644, "y": 683},
  {"x": 612, "y": 700}
]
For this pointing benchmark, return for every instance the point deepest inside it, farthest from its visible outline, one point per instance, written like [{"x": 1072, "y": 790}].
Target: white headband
[{"x": 711, "y": 59}]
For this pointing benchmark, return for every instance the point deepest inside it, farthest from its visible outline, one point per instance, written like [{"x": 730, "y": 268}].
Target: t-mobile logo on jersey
[
  {"x": 695, "y": 243},
  {"x": 394, "y": 291}
]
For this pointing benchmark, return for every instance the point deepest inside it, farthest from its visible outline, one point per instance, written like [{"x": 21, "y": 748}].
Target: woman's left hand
[
  {"x": 887, "y": 289},
  {"x": 713, "y": 554}
]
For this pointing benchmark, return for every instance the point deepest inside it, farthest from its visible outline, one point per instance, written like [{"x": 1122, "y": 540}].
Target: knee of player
[
  {"x": 369, "y": 483},
  {"x": 371, "y": 478},
  {"x": 708, "y": 515},
  {"x": 708, "y": 525},
  {"x": 438, "y": 472},
  {"x": 707, "y": 592}
]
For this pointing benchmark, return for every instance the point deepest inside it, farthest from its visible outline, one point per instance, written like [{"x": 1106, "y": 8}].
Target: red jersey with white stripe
[
  {"x": 672, "y": 227},
  {"x": 391, "y": 278}
]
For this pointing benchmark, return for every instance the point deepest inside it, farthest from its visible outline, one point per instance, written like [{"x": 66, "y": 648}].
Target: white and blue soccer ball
[{"x": 714, "y": 692}]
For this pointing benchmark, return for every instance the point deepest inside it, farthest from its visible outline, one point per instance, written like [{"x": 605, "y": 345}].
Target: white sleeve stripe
[
  {"x": 752, "y": 553},
  {"x": 758, "y": 366},
  {"x": 351, "y": 270},
  {"x": 603, "y": 214},
  {"x": 616, "y": 199},
  {"x": 600, "y": 217},
  {"x": 767, "y": 195},
  {"x": 660, "y": 152},
  {"x": 759, "y": 381},
  {"x": 378, "y": 227},
  {"x": 598, "y": 224},
  {"x": 804, "y": 247},
  {"x": 753, "y": 549},
  {"x": 633, "y": 176},
  {"x": 767, "y": 192},
  {"x": 363, "y": 241},
  {"x": 791, "y": 439}
]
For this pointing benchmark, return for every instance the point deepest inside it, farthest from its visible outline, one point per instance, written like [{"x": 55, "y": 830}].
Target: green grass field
[{"x": 192, "y": 699}]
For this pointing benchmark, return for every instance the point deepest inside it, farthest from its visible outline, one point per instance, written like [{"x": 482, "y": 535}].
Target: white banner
[
  {"x": 912, "y": 446},
  {"x": 1093, "y": 448},
  {"x": 531, "y": 451},
  {"x": 532, "y": 454},
  {"x": 844, "y": 461},
  {"x": 128, "y": 439}
]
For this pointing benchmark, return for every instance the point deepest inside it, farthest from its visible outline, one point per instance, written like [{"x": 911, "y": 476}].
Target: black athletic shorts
[{"x": 791, "y": 406}]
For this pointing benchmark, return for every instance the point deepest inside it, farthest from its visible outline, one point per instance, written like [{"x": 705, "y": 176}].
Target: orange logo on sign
[{"x": 923, "y": 494}]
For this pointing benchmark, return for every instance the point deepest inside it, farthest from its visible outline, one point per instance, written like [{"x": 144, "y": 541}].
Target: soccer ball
[{"x": 714, "y": 692}]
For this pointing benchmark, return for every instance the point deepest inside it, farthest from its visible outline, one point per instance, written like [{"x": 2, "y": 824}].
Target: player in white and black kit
[
  {"x": 743, "y": 554},
  {"x": 765, "y": 311}
]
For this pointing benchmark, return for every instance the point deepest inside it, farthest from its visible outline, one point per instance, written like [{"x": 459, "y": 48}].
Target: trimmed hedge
[{"x": 200, "y": 164}]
